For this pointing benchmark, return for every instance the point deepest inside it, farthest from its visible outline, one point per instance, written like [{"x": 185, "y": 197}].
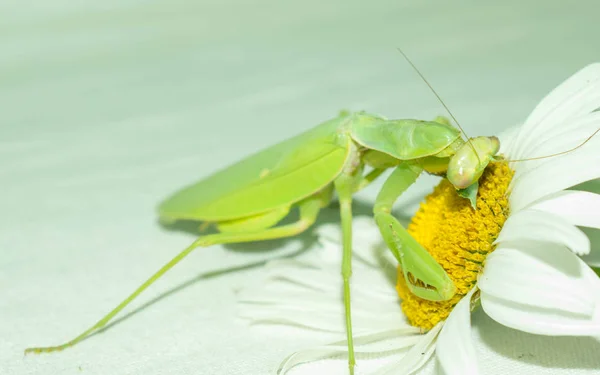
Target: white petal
[
  {"x": 540, "y": 275},
  {"x": 325, "y": 321},
  {"x": 568, "y": 134},
  {"x": 561, "y": 173},
  {"x": 368, "y": 346},
  {"x": 416, "y": 357},
  {"x": 577, "y": 207},
  {"x": 455, "y": 349},
  {"x": 577, "y": 96},
  {"x": 319, "y": 277},
  {"x": 308, "y": 294},
  {"x": 374, "y": 285},
  {"x": 537, "y": 225},
  {"x": 593, "y": 258},
  {"x": 507, "y": 138},
  {"x": 539, "y": 321},
  {"x": 541, "y": 288},
  {"x": 571, "y": 135},
  {"x": 325, "y": 316}
]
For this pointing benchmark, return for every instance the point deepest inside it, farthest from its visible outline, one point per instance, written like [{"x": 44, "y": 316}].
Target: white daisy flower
[{"x": 517, "y": 254}]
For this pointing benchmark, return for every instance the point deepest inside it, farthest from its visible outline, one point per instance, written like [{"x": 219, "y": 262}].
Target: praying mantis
[{"x": 247, "y": 200}]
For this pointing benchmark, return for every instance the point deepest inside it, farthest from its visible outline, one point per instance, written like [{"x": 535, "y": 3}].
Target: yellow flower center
[{"x": 458, "y": 237}]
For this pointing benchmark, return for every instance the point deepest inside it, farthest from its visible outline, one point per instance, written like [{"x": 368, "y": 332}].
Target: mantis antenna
[
  {"x": 558, "y": 153},
  {"x": 465, "y": 133},
  {"x": 440, "y": 100}
]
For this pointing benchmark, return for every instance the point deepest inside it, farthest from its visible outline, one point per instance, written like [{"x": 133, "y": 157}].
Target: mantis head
[{"x": 465, "y": 167}]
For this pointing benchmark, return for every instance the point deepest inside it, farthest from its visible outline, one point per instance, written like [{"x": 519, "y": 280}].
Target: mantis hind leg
[
  {"x": 309, "y": 209},
  {"x": 424, "y": 276}
]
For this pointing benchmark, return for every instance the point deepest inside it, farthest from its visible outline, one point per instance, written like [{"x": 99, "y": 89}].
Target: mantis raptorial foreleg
[
  {"x": 309, "y": 209},
  {"x": 424, "y": 276}
]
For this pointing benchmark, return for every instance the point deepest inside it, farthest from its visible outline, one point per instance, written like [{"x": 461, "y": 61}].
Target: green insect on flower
[{"x": 247, "y": 200}]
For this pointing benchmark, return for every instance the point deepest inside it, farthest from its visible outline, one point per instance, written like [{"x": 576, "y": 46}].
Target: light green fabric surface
[{"x": 107, "y": 107}]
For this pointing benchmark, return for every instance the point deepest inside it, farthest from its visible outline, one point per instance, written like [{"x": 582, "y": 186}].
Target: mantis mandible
[{"x": 247, "y": 200}]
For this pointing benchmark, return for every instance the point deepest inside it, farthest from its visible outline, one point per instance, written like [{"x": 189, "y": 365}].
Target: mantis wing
[
  {"x": 404, "y": 139},
  {"x": 278, "y": 176}
]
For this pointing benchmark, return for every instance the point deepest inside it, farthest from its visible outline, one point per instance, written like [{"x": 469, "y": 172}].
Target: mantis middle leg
[
  {"x": 345, "y": 186},
  {"x": 424, "y": 276}
]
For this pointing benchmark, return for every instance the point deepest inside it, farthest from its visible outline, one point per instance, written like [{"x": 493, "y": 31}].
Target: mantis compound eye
[{"x": 465, "y": 167}]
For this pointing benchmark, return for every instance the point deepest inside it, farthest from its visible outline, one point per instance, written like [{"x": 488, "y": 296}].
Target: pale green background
[{"x": 107, "y": 107}]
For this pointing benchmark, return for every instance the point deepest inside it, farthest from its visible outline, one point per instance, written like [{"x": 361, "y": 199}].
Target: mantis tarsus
[{"x": 247, "y": 200}]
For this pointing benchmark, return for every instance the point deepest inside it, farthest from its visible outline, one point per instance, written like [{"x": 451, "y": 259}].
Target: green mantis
[{"x": 247, "y": 200}]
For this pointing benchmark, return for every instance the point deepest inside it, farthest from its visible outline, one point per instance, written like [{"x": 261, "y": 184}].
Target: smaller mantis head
[{"x": 465, "y": 167}]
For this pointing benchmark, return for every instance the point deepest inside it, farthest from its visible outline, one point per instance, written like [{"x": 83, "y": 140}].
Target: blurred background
[{"x": 108, "y": 107}]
